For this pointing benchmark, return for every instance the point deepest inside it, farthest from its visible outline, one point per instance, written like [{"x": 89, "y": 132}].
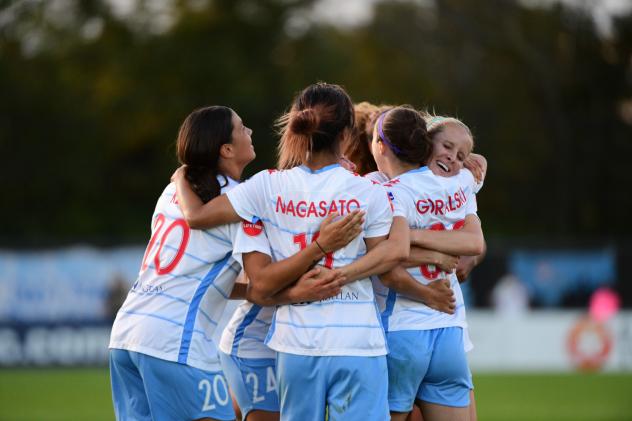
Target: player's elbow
[
  {"x": 193, "y": 219},
  {"x": 400, "y": 252},
  {"x": 389, "y": 280},
  {"x": 256, "y": 295},
  {"x": 476, "y": 246},
  {"x": 397, "y": 254}
]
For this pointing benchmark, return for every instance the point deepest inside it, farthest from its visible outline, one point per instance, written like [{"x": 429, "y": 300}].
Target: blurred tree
[{"x": 93, "y": 100}]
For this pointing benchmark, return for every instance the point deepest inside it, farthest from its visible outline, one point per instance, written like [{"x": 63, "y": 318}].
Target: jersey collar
[{"x": 320, "y": 170}]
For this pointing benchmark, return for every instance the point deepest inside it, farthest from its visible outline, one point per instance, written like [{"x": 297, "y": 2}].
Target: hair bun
[{"x": 304, "y": 122}]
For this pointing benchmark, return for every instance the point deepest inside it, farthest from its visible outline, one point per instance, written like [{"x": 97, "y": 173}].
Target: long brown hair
[
  {"x": 200, "y": 138},
  {"x": 321, "y": 115}
]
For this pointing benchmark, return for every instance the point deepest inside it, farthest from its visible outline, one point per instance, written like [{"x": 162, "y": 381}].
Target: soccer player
[
  {"x": 358, "y": 150},
  {"x": 331, "y": 353},
  {"x": 163, "y": 362},
  {"x": 427, "y": 360}
]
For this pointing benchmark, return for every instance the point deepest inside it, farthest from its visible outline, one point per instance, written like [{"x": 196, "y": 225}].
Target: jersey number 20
[{"x": 156, "y": 248}]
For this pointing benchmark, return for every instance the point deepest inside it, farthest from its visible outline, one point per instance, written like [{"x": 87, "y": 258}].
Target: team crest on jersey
[
  {"x": 391, "y": 199},
  {"x": 252, "y": 229}
]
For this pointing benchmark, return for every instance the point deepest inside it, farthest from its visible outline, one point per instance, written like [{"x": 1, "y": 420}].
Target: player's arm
[
  {"x": 267, "y": 278},
  {"x": 419, "y": 256},
  {"x": 467, "y": 263},
  {"x": 383, "y": 253},
  {"x": 239, "y": 288},
  {"x": 437, "y": 294},
  {"x": 316, "y": 284},
  {"x": 477, "y": 164},
  {"x": 197, "y": 214},
  {"x": 238, "y": 292},
  {"x": 467, "y": 241}
]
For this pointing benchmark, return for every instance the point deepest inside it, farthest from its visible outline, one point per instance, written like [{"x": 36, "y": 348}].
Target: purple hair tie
[{"x": 383, "y": 136}]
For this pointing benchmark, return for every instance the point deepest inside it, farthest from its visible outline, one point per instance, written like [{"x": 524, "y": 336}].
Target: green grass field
[{"x": 84, "y": 394}]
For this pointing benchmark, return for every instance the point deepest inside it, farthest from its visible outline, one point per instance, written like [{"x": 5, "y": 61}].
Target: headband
[
  {"x": 435, "y": 120},
  {"x": 380, "y": 120}
]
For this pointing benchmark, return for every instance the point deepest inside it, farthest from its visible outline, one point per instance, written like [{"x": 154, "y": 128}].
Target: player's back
[
  {"x": 185, "y": 278},
  {"x": 428, "y": 202},
  {"x": 292, "y": 204}
]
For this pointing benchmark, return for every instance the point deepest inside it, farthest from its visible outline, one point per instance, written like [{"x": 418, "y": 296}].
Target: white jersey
[
  {"x": 428, "y": 202},
  {"x": 377, "y": 176},
  {"x": 465, "y": 174},
  {"x": 292, "y": 204},
  {"x": 185, "y": 279},
  {"x": 245, "y": 333}
]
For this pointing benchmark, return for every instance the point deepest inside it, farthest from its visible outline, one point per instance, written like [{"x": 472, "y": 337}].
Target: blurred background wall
[{"x": 93, "y": 93}]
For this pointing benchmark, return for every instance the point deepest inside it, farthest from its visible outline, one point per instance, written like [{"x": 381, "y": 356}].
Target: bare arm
[
  {"x": 437, "y": 294},
  {"x": 477, "y": 164},
  {"x": 268, "y": 278},
  {"x": 467, "y": 263},
  {"x": 238, "y": 292},
  {"x": 200, "y": 215},
  {"x": 467, "y": 241},
  {"x": 316, "y": 284},
  {"x": 383, "y": 253},
  {"x": 419, "y": 256}
]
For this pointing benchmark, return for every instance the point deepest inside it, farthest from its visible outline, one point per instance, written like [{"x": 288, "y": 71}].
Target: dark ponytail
[
  {"x": 320, "y": 117},
  {"x": 200, "y": 138}
]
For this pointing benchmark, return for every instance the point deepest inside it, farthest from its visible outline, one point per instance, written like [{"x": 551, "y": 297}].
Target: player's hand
[
  {"x": 317, "y": 284},
  {"x": 178, "y": 174},
  {"x": 346, "y": 164},
  {"x": 477, "y": 164},
  {"x": 441, "y": 297},
  {"x": 447, "y": 262},
  {"x": 335, "y": 235},
  {"x": 465, "y": 266}
]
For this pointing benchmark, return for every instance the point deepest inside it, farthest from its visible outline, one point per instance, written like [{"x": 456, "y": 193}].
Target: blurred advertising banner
[
  {"x": 557, "y": 277},
  {"x": 550, "y": 340},
  {"x": 64, "y": 285},
  {"x": 57, "y": 306}
]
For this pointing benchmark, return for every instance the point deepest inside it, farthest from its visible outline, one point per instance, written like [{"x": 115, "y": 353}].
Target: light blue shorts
[
  {"x": 253, "y": 382},
  {"x": 348, "y": 388},
  {"x": 148, "y": 388},
  {"x": 429, "y": 365}
]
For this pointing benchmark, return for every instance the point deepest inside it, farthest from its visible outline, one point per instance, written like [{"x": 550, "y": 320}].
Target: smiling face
[
  {"x": 241, "y": 145},
  {"x": 451, "y": 146}
]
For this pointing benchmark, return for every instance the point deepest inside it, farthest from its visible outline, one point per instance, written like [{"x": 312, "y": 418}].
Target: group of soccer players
[{"x": 351, "y": 310}]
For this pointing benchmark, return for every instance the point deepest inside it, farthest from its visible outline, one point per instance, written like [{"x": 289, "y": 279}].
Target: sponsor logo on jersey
[
  {"x": 252, "y": 229},
  {"x": 307, "y": 209},
  {"x": 442, "y": 206},
  {"x": 344, "y": 296}
]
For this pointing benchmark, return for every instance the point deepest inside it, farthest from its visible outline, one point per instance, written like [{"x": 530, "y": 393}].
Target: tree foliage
[{"x": 92, "y": 101}]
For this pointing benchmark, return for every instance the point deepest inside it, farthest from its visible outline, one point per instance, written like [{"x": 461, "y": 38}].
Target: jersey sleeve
[
  {"x": 401, "y": 201},
  {"x": 469, "y": 180},
  {"x": 471, "y": 207},
  {"x": 249, "y": 237},
  {"x": 379, "y": 213},
  {"x": 247, "y": 198}
]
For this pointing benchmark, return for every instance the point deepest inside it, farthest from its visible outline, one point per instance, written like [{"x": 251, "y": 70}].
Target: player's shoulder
[
  {"x": 377, "y": 177},
  {"x": 356, "y": 182},
  {"x": 168, "y": 195},
  {"x": 465, "y": 176}
]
